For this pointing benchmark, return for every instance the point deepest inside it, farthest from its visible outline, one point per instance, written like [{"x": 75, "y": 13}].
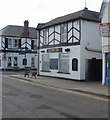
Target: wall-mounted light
[
  {"x": 43, "y": 51},
  {"x": 67, "y": 50}
]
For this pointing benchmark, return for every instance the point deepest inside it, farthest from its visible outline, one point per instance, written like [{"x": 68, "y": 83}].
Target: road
[{"x": 23, "y": 99}]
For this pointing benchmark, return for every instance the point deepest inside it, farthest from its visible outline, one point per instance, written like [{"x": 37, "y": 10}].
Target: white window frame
[
  {"x": 46, "y": 37},
  {"x": 15, "y": 43},
  {"x": 35, "y": 44},
  {"x": 12, "y": 43},
  {"x": 9, "y": 43},
  {"x": 63, "y": 33}
]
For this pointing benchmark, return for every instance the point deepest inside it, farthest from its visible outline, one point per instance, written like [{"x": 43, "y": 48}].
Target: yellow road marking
[{"x": 61, "y": 89}]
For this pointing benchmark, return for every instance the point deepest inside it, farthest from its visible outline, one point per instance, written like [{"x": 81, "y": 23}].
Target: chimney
[
  {"x": 85, "y": 8},
  {"x": 26, "y": 29}
]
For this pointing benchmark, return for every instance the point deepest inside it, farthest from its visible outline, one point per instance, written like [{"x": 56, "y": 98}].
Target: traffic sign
[{"x": 105, "y": 29}]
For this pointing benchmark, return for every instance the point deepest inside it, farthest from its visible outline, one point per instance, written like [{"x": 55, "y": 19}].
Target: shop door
[{"x": 108, "y": 69}]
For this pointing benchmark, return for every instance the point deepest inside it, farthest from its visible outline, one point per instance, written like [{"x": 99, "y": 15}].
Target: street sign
[
  {"x": 104, "y": 29},
  {"x": 22, "y": 53}
]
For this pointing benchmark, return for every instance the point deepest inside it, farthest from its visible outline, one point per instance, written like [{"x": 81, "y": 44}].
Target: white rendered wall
[
  {"x": 74, "y": 53},
  {"x": 89, "y": 38},
  {"x": 20, "y": 59},
  {"x": 54, "y": 31}
]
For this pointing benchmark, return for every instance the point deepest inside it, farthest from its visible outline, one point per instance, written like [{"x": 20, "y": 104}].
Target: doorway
[{"x": 94, "y": 69}]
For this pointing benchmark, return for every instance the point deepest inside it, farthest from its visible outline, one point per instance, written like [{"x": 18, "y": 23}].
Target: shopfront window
[
  {"x": 54, "y": 64},
  {"x": 46, "y": 62}
]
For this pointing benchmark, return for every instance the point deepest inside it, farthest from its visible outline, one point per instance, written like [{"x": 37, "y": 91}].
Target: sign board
[
  {"x": 22, "y": 53},
  {"x": 54, "y": 50},
  {"x": 104, "y": 29}
]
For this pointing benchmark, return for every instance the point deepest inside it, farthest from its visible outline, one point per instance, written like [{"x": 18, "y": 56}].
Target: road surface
[{"x": 24, "y": 99}]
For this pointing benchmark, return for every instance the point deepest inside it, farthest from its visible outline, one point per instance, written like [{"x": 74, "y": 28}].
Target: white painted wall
[
  {"x": 74, "y": 51},
  {"x": 57, "y": 36},
  {"x": 20, "y": 56},
  {"x": 72, "y": 54},
  {"x": 20, "y": 59},
  {"x": 89, "y": 38}
]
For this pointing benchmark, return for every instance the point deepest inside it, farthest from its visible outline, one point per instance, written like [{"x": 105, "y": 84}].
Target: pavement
[{"x": 88, "y": 87}]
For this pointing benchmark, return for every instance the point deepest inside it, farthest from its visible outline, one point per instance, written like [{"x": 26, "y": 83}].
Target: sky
[{"x": 15, "y": 12}]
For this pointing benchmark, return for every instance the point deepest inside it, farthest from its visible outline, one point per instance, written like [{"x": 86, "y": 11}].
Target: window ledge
[
  {"x": 63, "y": 73},
  {"x": 45, "y": 71}
]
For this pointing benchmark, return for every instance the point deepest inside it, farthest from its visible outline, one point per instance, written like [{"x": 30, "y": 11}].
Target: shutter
[
  {"x": 19, "y": 43},
  {"x": 32, "y": 44},
  {"x": 6, "y": 42},
  {"x": 46, "y": 62},
  {"x": 64, "y": 63}
]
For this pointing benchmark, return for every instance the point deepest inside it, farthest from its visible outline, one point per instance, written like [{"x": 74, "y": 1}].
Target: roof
[
  {"x": 40, "y": 25},
  {"x": 83, "y": 14},
  {"x": 17, "y": 31}
]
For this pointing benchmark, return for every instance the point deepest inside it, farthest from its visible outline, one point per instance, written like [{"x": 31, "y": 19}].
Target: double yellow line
[{"x": 60, "y": 89}]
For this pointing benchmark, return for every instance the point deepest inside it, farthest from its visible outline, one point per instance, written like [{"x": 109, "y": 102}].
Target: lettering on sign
[
  {"x": 105, "y": 29},
  {"x": 54, "y": 50}
]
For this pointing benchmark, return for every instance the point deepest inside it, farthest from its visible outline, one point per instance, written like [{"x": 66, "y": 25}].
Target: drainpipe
[{"x": 38, "y": 50}]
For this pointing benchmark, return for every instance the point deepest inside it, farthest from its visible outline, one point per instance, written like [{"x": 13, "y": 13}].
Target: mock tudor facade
[
  {"x": 70, "y": 46},
  {"x": 16, "y": 44}
]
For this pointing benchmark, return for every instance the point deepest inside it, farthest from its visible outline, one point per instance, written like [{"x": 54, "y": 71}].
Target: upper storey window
[
  {"x": 34, "y": 44},
  {"x": 46, "y": 37},
  {"x": 15, "y": 43},
  {"x": 12, "y": 43},
  {"x": 63, "y": 33},
  {"x": 9, "y": 43}
]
